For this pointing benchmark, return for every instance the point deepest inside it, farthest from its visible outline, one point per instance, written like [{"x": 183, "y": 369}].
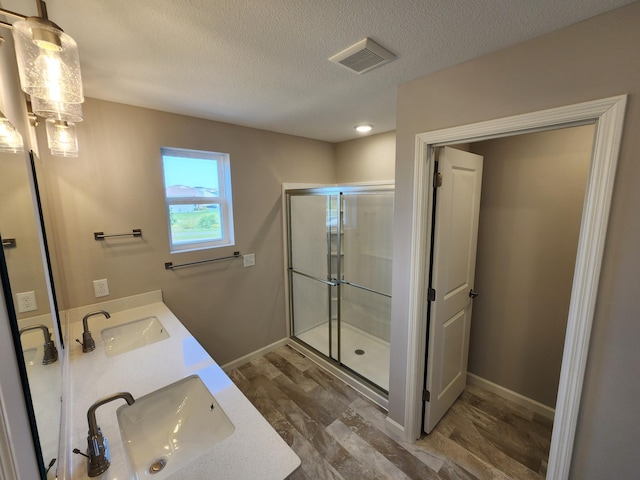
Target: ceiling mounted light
[
  {"x": 61, "y": 138},
  {"x": 10, "y": 138},
  {"x": 363, "y": 128},
  {"x": 48, "y": 61}
]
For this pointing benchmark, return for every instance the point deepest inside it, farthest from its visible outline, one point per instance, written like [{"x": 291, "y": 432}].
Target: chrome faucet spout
[
  {"x": 50, "y": 351},
  {"x": 88, "y": 344},
  {"x": 98, "y": 458}
]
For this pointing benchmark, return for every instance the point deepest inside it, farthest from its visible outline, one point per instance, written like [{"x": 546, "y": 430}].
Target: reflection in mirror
[
  {"x": 10, "y": 139},
  {"x": 21, "y": 246}
]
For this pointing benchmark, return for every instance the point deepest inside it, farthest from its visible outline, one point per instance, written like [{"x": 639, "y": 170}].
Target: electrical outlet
[
  {"x": 26, "y": 301},
  {"x": 101, "y": 287},
  {"x": 249, "y": 259}
]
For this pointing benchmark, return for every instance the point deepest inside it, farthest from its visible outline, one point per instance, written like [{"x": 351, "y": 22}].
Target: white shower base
[{"x": 372, "y": 365}]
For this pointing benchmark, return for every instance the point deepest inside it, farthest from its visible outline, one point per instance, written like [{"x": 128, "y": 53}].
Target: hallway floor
[{"x": 338, "y": 434}]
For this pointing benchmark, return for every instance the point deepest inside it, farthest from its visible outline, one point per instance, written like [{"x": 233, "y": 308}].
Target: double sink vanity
[{"x": 164, "y": 406}]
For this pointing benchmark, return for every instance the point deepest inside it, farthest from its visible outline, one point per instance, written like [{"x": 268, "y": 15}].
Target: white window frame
[{"x": 224, "y": 199}]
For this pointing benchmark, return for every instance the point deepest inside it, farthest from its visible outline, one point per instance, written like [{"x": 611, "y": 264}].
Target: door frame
[{"x": 608, "y": 116}]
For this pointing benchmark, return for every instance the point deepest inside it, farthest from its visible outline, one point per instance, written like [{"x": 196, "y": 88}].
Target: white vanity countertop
[{"x": 254, "y": 450}]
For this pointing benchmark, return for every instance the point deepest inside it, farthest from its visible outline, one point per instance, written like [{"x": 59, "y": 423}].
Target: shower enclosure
[{"x": 339, "y": 243}]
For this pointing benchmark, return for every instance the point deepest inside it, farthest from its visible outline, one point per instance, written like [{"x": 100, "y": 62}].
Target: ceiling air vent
[{"x": 363, "y": 56}]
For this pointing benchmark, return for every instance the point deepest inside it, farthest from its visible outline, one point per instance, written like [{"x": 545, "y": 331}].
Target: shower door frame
[{"x": 334, "y": 365}]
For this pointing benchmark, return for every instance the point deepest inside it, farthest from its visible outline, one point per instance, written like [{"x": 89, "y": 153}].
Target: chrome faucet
[
  {"x": 88, "y": 345},
  {"x": 50, "y": 351},
  {"x": 98, "y": 459}
]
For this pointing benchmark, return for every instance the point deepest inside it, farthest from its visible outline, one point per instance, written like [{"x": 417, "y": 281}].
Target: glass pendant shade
[
  {"x": 48, "y": 61},
  {"x": 10, "y": 138},
  {"x": 61, "y": 138},
  {"x": 69, "y": 112}
]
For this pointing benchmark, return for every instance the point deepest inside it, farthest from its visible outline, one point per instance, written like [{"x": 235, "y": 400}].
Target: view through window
[{"x": 198, "y": 197}]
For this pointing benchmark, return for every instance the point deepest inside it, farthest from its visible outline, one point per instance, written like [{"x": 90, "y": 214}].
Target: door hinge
[
  {"x": 437, "y": 180},
  {"x": 431, "y": 295},
  {"x": 426, "y": 396}
]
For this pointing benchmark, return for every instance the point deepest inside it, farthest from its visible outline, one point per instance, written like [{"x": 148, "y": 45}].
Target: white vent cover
[{"x": 363, "y": 56}]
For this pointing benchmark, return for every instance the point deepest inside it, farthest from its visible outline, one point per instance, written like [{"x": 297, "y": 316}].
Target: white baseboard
[
  {"x": 515, "y": 397},
  {"x": 396, "y": 428},
  {"x": 250, "y": 356}
]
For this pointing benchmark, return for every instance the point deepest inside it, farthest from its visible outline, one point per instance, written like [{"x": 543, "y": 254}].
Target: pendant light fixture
[
  {"x": 49, "y": 69},
  {"x": 69, "y": 112},
  {"x": 48, "y": 61},
  {"x": 61, "y": 138}
]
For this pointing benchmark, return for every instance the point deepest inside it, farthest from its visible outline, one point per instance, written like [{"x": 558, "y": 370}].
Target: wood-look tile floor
[{"x": 338, "y": 434}]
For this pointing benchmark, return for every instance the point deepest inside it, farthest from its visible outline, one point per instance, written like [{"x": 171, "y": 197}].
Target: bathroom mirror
[
  {"x": 28, "y": 276},
  {"x": 28, "y": 287}
]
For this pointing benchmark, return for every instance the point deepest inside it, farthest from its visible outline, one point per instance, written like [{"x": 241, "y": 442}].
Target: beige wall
[
  {"x": 366, "y": 159},
  {"x": 116, "y": 185},
  {"x": 593, "y": 59},
  {"x": 532, "y": 194}
]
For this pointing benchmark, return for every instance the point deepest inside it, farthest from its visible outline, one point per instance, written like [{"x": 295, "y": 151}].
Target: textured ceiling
[{"x": 265, "y": 64}]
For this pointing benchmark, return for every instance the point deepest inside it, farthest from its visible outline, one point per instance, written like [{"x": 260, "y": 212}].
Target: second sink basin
[
  {"x": 132, "y": 335},
  {"x": 169, "y": 428}
]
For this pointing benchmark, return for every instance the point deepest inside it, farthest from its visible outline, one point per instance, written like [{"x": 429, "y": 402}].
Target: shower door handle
[
  {"x": 332, "y": 282},
  {"x": 473, "y": 293}
]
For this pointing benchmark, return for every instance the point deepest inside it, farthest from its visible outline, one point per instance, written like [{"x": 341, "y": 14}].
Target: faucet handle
[
  {"x": 88, "y": 344},
  {"x": 98, "y": 450}
]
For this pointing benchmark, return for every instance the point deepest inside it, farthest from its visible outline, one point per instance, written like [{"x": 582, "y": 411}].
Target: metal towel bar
[
  {"x": 171, "y": 266},
  {"x": 136, "y": 232}
]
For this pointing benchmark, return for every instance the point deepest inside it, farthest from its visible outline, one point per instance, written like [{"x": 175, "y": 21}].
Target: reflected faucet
[
  {"x": 88, "y": 345},
  {"x": 98, "y": 459},
  {"x": 50, "y": 350}
]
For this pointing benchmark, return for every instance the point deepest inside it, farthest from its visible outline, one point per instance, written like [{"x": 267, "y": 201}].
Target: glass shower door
[
  {"x": 340, "y": 256},
  {"x": 365, "y": 309},
  {"x": 313, "y": 271}
]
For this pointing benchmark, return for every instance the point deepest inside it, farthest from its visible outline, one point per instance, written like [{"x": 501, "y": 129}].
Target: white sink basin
[
  {"x": 30, "y": 358},
  {"x": 129, "y": 336},
  {"x": 169, "y": 428}
]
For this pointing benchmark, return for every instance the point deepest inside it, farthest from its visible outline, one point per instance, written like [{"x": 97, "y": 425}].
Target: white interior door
[{"x": 453, "y": 271}]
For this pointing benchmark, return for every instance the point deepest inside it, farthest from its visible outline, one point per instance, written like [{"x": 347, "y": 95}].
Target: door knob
[{"x": 473, "y": 293}]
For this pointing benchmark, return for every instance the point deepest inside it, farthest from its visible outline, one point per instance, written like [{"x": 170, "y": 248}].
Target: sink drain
[
  {"x": 359, "y": 352},
  {"x": 157, "y": 466}
]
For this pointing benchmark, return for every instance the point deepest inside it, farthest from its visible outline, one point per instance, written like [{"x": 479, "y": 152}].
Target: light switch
[{"x": 249, "y": 259}]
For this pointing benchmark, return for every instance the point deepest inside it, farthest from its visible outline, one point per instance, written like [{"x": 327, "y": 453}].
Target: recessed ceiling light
[{"x": 363, "y": 128}]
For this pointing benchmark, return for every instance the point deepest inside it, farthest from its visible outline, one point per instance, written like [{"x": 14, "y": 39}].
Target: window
[{"x": 198, "y": 195}]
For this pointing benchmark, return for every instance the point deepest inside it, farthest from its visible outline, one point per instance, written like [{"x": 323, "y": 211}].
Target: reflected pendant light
[
  {"x": 10, "y": 138},
  {"x": 48, "y": 61},
  {"x": 61, "y": 138}
]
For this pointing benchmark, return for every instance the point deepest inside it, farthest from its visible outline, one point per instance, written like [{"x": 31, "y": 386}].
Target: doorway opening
[
  {"x": 530, "y": 214},
  {"x": 608, "y": 116},
  {"x": 505, "y": 308}
]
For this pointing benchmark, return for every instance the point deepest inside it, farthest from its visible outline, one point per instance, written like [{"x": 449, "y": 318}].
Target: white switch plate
[
  {"x": 249, "y": 259},
  {"x": 101, "y": 287},
  {"x": 26, "y": 301}
]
